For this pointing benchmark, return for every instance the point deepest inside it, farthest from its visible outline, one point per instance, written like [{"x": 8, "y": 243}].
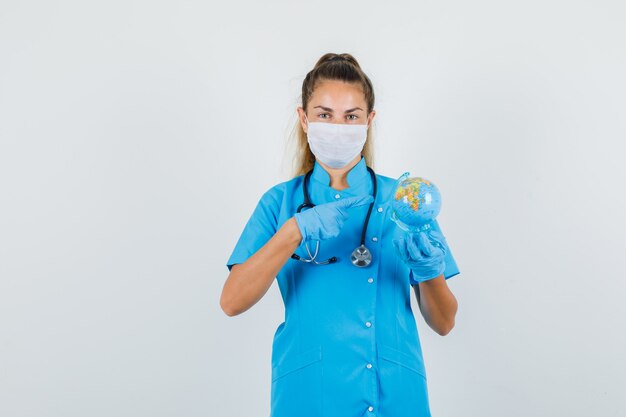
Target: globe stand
[{"x": 406, "y": 227}]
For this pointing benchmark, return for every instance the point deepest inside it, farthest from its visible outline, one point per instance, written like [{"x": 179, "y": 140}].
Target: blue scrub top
[{"x": 349, "y": 344}]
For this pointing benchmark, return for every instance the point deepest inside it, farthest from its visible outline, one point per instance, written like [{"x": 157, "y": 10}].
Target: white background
[{"x": 136, "y": 137}]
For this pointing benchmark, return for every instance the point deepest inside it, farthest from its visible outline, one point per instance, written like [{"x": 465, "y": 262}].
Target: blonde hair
[{"x": 342, "y": 67}]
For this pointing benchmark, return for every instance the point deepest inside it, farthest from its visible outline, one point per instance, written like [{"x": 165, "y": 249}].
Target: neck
[{"x": 339, "y": 176}]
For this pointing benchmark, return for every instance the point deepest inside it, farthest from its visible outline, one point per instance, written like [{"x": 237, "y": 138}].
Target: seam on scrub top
[
  {"x": 395, "y": 300},
  {"x": 380, "y": 225},
  {"x": 296, "y": 308}
]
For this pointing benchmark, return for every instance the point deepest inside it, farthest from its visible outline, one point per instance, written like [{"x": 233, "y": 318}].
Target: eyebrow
[{"x": 331, "y": 110}]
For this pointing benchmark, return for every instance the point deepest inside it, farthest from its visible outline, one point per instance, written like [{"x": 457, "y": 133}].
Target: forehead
[{"x": 334, "y": 93}]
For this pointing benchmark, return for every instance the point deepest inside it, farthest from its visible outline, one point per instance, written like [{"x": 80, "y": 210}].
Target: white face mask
[{"x": 336, "y": 144}]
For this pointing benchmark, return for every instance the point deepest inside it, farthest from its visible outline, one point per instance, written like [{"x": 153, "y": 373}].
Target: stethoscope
[{"x": 361, "y": 256}]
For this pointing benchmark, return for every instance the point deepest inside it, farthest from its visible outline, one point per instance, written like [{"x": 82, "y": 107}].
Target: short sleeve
[
  {"x": 451, "y": 268},
  {"x": 261, "y": 226}
]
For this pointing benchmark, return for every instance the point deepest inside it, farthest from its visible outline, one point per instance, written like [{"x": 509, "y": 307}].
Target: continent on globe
[{"x": 415, "y": 204}]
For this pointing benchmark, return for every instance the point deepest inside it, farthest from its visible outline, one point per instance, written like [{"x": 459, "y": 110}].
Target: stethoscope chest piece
[{"x": 361, "y": 256}]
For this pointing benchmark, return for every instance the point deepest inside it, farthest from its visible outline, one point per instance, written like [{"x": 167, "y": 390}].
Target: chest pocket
[{"x": 297, "y": 385}]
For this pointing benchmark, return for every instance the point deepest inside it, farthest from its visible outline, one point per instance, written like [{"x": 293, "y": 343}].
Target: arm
[
  {"x": 248, "y": 282},
  {"x": 437, "y": 304}
]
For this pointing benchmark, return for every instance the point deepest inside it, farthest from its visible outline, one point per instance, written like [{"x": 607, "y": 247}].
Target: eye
[
  {"x": 322, "y": 114},
  {"x": 353, "y": 115}
]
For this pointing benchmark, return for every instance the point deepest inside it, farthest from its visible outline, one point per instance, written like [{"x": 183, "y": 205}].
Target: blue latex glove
[
  {"x": 325, "y": 220},
  {"x": 423, "y": 252}
]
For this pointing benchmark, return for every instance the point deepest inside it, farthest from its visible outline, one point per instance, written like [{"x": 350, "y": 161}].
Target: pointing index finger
[{"x": 356, "y": 201}]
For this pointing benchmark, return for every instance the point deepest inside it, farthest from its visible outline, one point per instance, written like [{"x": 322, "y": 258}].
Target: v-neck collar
[{"x": 355, "y": 177}]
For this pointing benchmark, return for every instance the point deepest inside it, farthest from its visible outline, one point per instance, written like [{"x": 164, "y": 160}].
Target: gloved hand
[
  {"x": 423, "y": 252},
  {"x": 325, "y": 220}
]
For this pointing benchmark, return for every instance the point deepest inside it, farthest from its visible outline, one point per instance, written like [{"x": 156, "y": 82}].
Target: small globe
[{"x": 416, "y": 202}]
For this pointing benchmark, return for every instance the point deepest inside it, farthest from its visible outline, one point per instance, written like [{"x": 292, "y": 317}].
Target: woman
[{"x": 349, "y": 344}]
